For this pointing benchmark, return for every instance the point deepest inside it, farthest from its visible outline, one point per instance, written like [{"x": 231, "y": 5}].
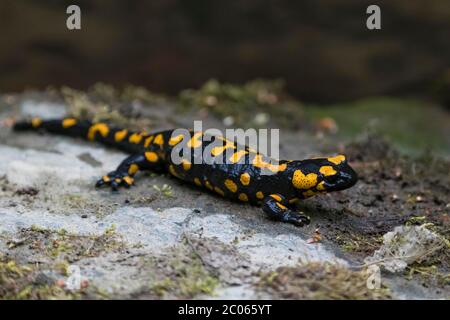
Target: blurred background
[{"x": 321, "y": 49}]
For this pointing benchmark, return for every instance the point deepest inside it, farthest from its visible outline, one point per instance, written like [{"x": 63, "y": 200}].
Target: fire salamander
[{"x": 243, "y": 174}]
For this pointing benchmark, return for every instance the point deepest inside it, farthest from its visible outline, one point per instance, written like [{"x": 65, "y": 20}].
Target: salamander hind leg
[
  {"x": 124, "y": 174},
  {"x": 276, "y": 207}
]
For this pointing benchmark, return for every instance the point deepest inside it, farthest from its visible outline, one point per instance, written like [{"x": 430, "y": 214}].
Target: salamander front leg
[
  {"x": 123, "y": 175},
  {"x": 275, "y": 206}
]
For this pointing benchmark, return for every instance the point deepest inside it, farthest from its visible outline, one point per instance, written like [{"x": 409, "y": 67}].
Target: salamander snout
[{"x": 344, "y": 178}]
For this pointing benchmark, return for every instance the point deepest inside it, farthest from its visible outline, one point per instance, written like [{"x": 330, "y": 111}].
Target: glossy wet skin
[
  {"x": 243, "y": 174},
  {"x": 342, "y": 178}
]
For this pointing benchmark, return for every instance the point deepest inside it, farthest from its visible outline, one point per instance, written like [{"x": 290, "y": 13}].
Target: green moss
[
  {"x": 165, "y": 190},
  {"x": 17, "y": 282},
  {"x": 319, "y": 281},
  {"x": 103, "y": 102},
  {"x": 358, "y": 243},
  {"x": 183, "y": 276},
  {"x": 249, "y": 105},
  {"x": 62, "y": 245}
]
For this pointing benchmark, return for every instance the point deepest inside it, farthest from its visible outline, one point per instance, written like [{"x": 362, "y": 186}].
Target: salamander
[{"x": 242, "y": 174}]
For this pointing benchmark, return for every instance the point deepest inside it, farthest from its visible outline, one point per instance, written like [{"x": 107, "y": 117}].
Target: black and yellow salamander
[{"x": 242, "y": 173}]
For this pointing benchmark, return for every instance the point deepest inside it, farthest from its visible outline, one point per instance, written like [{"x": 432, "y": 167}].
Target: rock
[{"x": 405, "y": 245}]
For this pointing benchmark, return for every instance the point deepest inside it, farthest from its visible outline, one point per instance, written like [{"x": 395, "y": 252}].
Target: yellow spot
[
  {"x": 98, "y": 127},
  {"x": 327, "y": 171},
  {"x": 321, "y": 186},
  {"x": 281, "y": 206},
  {"x": 118, "y": 180},
  {"x": 236, "y": 157},
  {"x": 194, "y": 142},
  {"x": 133, "y": 169},
  {"x": 36, "y": 122},
  {"x": 293, "y": 200},
  {"x": 148, "y": 141},
  {"x": 309, "y": 193},
  {"x": 159, "y": 140},
  {"x": 208, "y": 185},
  {"x": 173, "y": 172},
  {"x": 135, "y": 138},
  {"x": 260, "y": 163},
  {"x": 151, "y": 156},
  {"x": 197, "y": 182},
  {"x": 243, "y": 197},
  {"x": 260, "y": 195},
  {"x": 219, "y": 191},
  {"x": 128, "y": 180},
  {"x": 186, "y": 164},
  {"x": 175, "y": 140},
  {"x": 69, "y": 122},
  {"x": 276, "y": 197},
  {"x": 120, "y": 135},
  {"x": 106, "y": 178},
  {"x": 245, "y": 179},
  {"x": 302, "y": 181},
  {"x": 230, "y": 185},
  {"x": 220, "y": 149},
  {"x": 337, "y": 160}
]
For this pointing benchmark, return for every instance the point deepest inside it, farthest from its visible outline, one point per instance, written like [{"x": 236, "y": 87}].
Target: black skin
[{"x": 261, "y": 181}]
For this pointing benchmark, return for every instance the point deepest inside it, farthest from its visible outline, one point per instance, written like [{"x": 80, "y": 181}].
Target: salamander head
[{"x": 323, "y": 175}]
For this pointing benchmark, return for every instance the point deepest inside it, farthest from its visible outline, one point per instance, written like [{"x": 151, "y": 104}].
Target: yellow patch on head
[
  {"x": 309, "y": 193},
  {"x": 281, "y": 206},
  {"x": 208, "y": 185},
  {"x": 186, "y": 164},
  {"x": 69, "y": 122},
  {"x": 321, "y": 186},
  {"x": 151, "y": 156},
  {"x": 102, "y": 128},
  {"x": 245, "y": 179},
  {"x": 236, "y": 157},
  {"x": 197, "y": 182},
  {"x": 276, "y": 197},
  {"x": 195, "y": 141},
  {"x": 135, "y": 138},
  {"x": 243, "y": 197},
  {"x": 327, "y": 170},
  {"x": 302, "y": 181},
  {"x": 36, "y": 122},
  {"x": 219, "y": 191},
  {"x": 133, "y": 169},
  {"x": 159, "y": 140},
  {"x": 230, "y": 185},
  {"x": 175, "y": 140},
  {"x": 260, "y": 195},
  {"x": 337, "y": 160},
  {"x": 120, "y": 135},
  {"x": 106, "y": 178}
]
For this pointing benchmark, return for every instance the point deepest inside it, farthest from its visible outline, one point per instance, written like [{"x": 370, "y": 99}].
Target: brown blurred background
[{"x": 322, "y": 48}]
